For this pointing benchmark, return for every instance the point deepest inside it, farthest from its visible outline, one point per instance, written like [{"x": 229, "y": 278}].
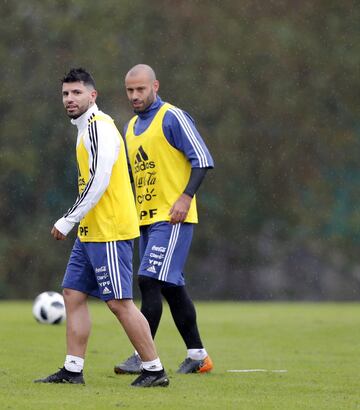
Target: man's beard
[
  {"x": 80, "y": 113},
  {"x": 147, "y": 104},
  {"x": 74, "y": 116}
]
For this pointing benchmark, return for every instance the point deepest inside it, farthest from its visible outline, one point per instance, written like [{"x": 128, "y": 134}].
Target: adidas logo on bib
[
  {"x": 141, "y": 161},
  {"x": 151, "y": 269}
]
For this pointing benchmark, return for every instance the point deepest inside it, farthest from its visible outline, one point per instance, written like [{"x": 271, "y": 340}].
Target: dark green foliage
[{"x": 274, "y": 89}]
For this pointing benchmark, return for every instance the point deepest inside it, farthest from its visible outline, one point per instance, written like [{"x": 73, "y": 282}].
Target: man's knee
[
  {"x": 120, "y": 307},
  {"x": 74, "y": 297},
  {"x": 147, "y": 283},
  {"x": 67, "y": 293}
]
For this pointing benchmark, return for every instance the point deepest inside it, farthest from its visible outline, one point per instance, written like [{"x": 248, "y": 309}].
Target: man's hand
[
  {"x": 57, "y": 234},
  {"x": 180, "y": 209}
]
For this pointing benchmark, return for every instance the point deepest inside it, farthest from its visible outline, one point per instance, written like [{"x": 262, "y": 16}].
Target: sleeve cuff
[{"x": 64, "y": 226}]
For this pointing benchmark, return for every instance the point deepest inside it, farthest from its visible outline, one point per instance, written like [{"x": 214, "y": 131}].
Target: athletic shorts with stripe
[
  {"x": 101, "y": 269},
  {"x": 164, "y": 249}
]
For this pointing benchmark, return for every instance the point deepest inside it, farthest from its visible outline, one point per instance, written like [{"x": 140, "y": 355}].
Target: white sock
[
  {"x": 197, "y": 354},
  {"x": 153, "y": 365},
  {"x": 74, "y": 363}
]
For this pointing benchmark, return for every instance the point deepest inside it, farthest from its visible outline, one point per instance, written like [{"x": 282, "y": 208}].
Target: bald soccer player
[{"x": 168, "y": 160}]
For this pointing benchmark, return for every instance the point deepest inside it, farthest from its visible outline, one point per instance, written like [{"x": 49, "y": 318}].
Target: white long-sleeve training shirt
[{"x": 103, "y": 152}]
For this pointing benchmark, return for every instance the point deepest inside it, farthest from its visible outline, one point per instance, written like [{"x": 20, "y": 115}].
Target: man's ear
[
  {"x": 94, "y": 95},
  {"x": 156, "y": 86}
]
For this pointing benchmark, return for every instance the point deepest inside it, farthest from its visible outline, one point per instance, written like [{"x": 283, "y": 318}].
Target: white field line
[{"x": 256, "y": 370}]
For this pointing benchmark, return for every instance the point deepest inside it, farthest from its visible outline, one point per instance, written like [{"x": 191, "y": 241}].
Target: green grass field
[{"x": 318, "y": 345}]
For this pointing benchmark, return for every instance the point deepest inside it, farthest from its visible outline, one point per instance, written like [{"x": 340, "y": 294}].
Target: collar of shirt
[{"x": 82, "y": 121}]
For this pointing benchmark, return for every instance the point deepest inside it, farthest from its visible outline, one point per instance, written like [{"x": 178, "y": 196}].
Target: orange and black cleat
[{"x": 196, "y": 366}]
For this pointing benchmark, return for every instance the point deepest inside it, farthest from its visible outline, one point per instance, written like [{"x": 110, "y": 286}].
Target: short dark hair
[{"x": 78, "y": 74}]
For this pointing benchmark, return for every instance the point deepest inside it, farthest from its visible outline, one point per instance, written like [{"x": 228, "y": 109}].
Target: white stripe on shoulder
[{"x": 199, "y": 151}]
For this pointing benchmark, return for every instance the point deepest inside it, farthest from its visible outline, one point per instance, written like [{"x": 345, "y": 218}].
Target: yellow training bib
[
  {"x": 160, "y": 171},
  {"x": 114, "y": 216}
]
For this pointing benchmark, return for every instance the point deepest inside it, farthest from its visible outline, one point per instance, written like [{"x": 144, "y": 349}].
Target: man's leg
[
  {"x": 138, "y": 331},
  {"x": 151, "y": 301},
  {"x": 78, "y": 324},
  {"x": 150, "y": 288},
  {"x": 151, "y": 308},
  {"x": 151, "y": 304},
  {"x": 77, "y": 334},
  {"x": 135, "y": 326},
  {"x": 184, "y": 315},
  {"x": 78, "y": 275}
]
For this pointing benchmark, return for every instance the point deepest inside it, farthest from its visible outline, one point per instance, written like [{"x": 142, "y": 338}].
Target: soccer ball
[{"x": 49, "y": 308}]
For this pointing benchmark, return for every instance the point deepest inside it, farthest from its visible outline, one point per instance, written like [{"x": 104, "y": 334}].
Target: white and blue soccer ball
[{"x": 49, "y": 308}]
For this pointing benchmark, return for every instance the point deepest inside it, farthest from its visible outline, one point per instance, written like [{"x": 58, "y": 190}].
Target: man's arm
[
  {"x": 103, "y": 147},
  {"x": 180, "y": 209},
  {"x": 196, "y": 177},
  {"x": 181, "y": 133}
]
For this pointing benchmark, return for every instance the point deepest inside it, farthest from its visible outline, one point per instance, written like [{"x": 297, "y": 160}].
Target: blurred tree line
[{"x": 274, "y": 89}]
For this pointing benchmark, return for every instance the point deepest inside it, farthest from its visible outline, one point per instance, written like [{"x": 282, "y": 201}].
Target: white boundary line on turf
[{"x": 256, "y": 370}]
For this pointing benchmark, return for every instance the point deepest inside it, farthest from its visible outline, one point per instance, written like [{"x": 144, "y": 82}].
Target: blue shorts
[
  {"x": 101, "y": 269},
  {"x": 163, "y": 251}
]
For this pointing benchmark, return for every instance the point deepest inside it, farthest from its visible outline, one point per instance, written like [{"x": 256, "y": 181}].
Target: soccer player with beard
[
  {"x": 168, "y": 160},
  {"x": 100, "y": 263}
]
